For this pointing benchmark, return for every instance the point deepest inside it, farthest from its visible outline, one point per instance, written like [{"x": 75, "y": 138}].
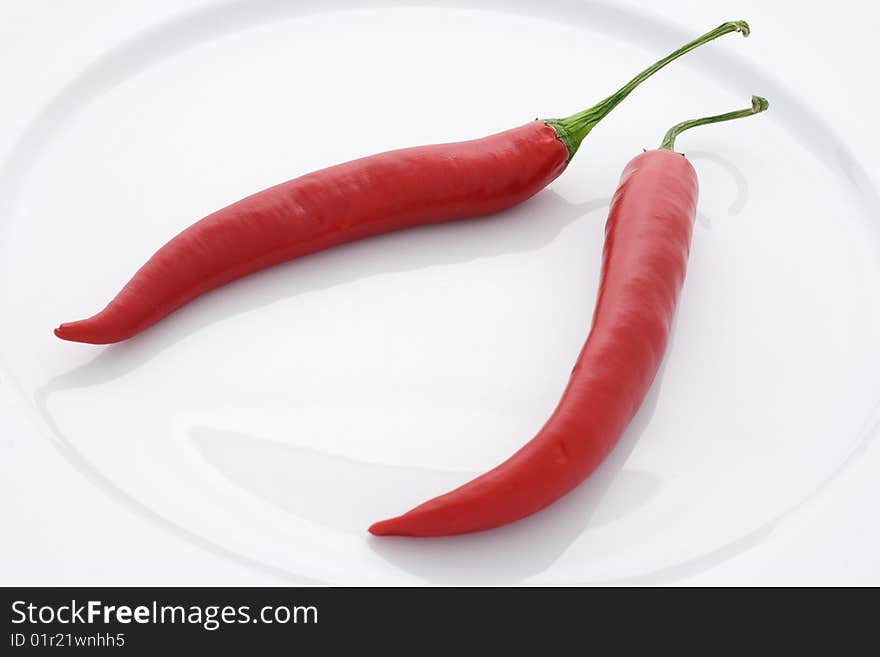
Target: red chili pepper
[
  {"x": 647, "y": 241},
  {"x": 349, "y": 201}
]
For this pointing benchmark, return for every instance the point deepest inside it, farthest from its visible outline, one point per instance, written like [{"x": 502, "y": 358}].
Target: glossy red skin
[
  {"x": 364, "y": 197},
  {"x": 647, "y": 240}
]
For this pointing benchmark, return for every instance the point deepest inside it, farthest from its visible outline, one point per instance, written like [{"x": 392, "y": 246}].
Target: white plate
[{"x": 272, "y": 420}]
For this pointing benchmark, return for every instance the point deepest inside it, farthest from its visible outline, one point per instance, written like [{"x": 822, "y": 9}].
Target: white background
[{"x": 62, "y": 528}]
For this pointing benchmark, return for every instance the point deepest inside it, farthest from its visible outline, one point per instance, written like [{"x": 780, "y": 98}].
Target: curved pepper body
[
  {"x": 648, "y": 235},
  {"x": 342, "y": 203}
]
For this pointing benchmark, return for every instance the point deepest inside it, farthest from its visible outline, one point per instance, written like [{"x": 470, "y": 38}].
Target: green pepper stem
[
  {"x": 572, "y": 129},
  {"x": 758, "y": 105}
]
